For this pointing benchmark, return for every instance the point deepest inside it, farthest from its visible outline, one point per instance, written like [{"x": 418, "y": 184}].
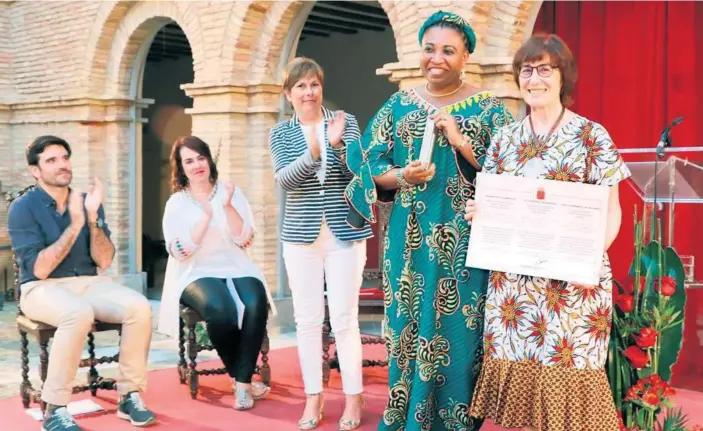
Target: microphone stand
[{"x": 664, "y": 141}]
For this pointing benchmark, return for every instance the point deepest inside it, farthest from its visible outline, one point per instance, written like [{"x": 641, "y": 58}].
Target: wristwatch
[{"x": 99, "y": 223}]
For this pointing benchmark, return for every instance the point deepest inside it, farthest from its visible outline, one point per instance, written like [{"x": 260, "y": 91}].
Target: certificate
[{"x": 538, "y": 227}]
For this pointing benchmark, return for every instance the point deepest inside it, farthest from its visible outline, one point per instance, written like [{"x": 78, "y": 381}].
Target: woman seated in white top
[{"x": 207, "y": 227}]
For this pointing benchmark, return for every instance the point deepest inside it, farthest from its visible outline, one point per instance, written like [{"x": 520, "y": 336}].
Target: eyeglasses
[{"x": 543, "y": 70}]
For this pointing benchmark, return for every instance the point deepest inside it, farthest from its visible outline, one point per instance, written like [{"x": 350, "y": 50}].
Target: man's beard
[{"x": 58, "y": 181}]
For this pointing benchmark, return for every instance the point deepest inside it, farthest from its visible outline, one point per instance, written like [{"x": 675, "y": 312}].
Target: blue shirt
[{"x": 34, "y": 224}]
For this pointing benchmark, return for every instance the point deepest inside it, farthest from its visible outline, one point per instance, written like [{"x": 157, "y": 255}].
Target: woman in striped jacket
[{"x": 319, "y": 247}]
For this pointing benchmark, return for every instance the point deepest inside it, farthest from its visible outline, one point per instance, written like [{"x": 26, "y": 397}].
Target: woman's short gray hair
[{"x": 300, "y": 68}]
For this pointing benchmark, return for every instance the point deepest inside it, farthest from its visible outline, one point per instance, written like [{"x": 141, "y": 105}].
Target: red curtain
[{"x": 638, "y": 63}]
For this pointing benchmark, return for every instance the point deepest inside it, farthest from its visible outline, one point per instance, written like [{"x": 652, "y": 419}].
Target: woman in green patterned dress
[{"x": 434, "y": 304}]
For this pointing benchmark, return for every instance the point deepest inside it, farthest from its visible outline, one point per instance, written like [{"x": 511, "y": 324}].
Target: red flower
[
  {"x": 646, "y": 338},
  {"x": 654, "y": 380},
  {"x": 668, "y": 286},
  {"x": 632, "y": 394},
  {"x": 626, "y": 303},
  {"x": 621, "y": 424},
  {"x": 651, "y": 397},
  {"x": 630, "y": 287},
  {"x": 638, "y": 358},
  {"x": 668, "y": 392}
]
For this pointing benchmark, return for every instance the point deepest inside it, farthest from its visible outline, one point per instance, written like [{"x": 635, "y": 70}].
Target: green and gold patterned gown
[{"x": 434, "y": 304}]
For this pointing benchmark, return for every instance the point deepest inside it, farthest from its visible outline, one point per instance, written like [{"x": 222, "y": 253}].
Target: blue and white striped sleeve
[
  {"x": 351, "y": 134},
  {"x": 290, "y": 172}
]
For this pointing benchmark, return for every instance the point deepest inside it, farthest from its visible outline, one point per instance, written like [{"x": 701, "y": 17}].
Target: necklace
[
  {"x": 549, "y": 135},
  {"x": 197, "y": 202},
  {"x": 427, "y": 88}
]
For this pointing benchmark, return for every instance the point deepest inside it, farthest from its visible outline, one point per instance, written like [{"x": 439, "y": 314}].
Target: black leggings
[{"x": 238, "y": 349}]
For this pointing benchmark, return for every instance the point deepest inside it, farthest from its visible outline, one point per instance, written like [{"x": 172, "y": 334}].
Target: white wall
[
  {"x": 350, "y": 63},
  {"x": 167, "y": 121}
]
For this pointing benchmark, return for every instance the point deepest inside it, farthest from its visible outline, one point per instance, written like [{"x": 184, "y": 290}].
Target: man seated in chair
[{"x": 60, "y": 240}]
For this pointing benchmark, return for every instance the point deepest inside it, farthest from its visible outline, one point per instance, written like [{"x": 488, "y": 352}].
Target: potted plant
[{"x": 647, "y": 335}]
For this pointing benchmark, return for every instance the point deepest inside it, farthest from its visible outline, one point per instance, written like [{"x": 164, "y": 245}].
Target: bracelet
[
  {"x": 402, "y": 182},
  {"x": 464, "y": 140}
]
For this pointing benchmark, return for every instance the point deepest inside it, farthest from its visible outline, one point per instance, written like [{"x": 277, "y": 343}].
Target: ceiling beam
[
  {"x": 169, "y": 50},
  {"x": 314, "y": 33},
  {"x": 350, "y": 15},
  {"x": 329, "y": 28},
  {"x": 172, "y": 31},
  {"x": 170, "y": 42},
  {"x": 358, "y": 7},
  {"x": 342, "y": 23},
  {"x": 155, "y": 58}
]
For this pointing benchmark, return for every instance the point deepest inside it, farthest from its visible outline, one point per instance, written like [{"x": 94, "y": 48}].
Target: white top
[
  {"x": 322, "y": 142},
  {"x": 219, "y": 255}
]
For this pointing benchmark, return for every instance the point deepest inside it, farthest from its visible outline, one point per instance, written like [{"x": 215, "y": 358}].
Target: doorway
[{"x": 169, "y": 63}]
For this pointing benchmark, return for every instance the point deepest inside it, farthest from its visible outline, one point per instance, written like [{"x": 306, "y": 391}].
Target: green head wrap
[{"x": 453, "y": 18}]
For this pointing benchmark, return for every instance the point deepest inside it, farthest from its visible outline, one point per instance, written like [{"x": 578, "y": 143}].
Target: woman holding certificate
[
  {"x": 546, "y": 341},
  {"x": 421, "y": 152}
]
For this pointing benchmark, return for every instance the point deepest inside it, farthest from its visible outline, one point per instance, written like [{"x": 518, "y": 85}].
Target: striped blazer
[{"x": 308, "y": 201}]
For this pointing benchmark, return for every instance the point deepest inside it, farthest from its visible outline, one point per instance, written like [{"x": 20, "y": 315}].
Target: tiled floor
[{"x": 163, "y": 353}]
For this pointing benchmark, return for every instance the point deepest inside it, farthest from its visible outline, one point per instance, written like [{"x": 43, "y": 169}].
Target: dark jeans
[{"x": 238, "y": 348}]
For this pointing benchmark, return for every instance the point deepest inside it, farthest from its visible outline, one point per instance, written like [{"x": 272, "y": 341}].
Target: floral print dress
[
  {"x": 546, "y": 341},
  {"x": 433, "y": 303}
]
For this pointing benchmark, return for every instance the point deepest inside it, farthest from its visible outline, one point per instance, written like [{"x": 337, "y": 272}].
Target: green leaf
[
  {"x": 649, "y": 263},
  {"x": 639, "y": 403},
  {"x": 672, "y": 338},
  {"x": 674, "y": 420},
  {"x": 640, "y": 416},
  {"x": 656, "y": 261},
  {"x": 657, "y": 317}
]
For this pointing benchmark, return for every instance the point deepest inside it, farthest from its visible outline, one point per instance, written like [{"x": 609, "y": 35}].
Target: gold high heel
[
  {"x": 351, "y": 424},
  {"x": 308, "y": 424}
]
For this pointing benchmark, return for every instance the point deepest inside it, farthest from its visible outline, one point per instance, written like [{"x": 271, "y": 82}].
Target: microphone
[{"x": 665, "y": 139}]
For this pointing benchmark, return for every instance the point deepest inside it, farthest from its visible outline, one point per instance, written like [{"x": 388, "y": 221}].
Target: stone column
[
  {"x": 235, "y": 121},
  {"x": 5, "y": 184},
  {"x": 5, "y": 147}
]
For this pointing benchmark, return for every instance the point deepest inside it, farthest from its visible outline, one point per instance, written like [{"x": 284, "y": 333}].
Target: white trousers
[{"x": 341, "y": 265}]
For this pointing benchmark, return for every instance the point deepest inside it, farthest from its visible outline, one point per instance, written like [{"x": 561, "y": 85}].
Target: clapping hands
[{"x": 335, "y": 128}]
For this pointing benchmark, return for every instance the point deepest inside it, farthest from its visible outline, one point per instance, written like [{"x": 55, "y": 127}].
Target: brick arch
[
  {"x": 119, "y": 32},
  {"x": 509, "y": 25},
  {"x": 256, "y": 56},
  {"x": 239, "y": 41},
  {"x": 265, "y": 65}
]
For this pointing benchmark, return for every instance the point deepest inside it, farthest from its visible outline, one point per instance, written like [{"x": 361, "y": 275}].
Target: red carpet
[{"x": 213, "y": 411}]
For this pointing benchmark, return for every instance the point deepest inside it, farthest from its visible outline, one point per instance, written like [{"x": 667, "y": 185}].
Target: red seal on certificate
[{"x": 540, "y": 194}]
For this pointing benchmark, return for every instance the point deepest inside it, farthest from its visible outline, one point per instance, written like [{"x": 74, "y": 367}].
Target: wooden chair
[
  {"x": 43, "y": 333},
  {"x": 187, "y": 372}
]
